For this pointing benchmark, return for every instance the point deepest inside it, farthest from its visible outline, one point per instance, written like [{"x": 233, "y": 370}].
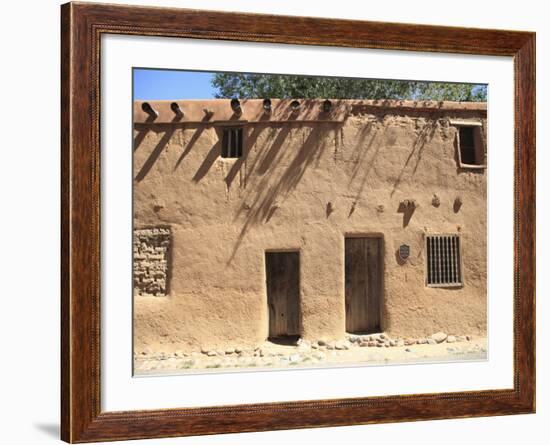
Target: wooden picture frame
[{"x": 82, "y": 26}]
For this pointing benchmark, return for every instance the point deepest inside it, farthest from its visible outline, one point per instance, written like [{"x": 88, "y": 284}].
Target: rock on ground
[{"x": 439, "y": 337}]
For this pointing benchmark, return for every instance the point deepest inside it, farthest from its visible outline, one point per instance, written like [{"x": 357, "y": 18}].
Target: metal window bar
[
  {"x": 454, "y": 262},
  {"x": 232, "y": 143},
  {"x": 442, "y": 255},
  {"x": 224, "y": 144},
  {"x": 443, "y": 260},
  {"x": 447, "y": 259},
  {"x": 429, "y": 255},
  {"x": 233, "y": 152},
  {"x": 451, "y": 263},
  {"x": 459, "y": 260},
  {"x": 239, "y": 133},
  {"x": 439, "y": 274}
]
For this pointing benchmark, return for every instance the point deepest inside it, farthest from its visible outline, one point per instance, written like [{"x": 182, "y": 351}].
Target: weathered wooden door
[
  {"x": 283, "y": 293},
  {"x": 363, "y": 270}
]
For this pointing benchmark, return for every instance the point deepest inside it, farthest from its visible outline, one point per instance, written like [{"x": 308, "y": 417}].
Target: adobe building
[{"x": 308, "y": 218}]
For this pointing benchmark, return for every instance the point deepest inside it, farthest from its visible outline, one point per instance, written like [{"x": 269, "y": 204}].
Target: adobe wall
[{"x": 304, "y": 185}]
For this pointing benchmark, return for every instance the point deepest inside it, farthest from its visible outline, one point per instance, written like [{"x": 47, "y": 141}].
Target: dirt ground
[{"x": 358, "y": 351}]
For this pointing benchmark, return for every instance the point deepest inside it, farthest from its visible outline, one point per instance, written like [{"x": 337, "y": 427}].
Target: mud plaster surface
[{"x": 224, "y": 214}]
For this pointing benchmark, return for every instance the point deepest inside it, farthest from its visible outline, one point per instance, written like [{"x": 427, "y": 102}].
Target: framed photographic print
[{"x": 283, "y": 222}]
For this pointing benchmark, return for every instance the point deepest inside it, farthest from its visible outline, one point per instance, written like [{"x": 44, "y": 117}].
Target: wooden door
[
  {"x": 283, "y": 293},
  {"x": 363, "y": 275}
]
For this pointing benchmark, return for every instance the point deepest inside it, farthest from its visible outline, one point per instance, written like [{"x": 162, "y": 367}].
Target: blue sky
[
  {"x": 150, "y": 84},
  {"x": 158, "y": 84}
]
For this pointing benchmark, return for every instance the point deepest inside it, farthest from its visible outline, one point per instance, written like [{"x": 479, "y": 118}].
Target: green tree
[{"x": 229, "y": 85}]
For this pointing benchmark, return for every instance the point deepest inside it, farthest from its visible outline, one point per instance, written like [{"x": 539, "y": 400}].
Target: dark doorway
[
  {"x": 283, "y": 293},
  {"x": 363, "y": 270}
]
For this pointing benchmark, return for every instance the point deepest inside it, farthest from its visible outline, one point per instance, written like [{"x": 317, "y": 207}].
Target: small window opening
[
  {"x": 444, "y": 267},
  {"x": 232, "y": 143},
  {"x": 471, "y": 148}
]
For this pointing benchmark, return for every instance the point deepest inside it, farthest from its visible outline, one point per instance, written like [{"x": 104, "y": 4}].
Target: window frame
[
  {"x": 226, "y": 129},
  {"x": 476, "y": 125},
  {"x": 460, "y": 263}
]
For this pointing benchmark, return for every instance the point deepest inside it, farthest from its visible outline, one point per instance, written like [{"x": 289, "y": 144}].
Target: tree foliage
[{"x": 230, "y": 85}]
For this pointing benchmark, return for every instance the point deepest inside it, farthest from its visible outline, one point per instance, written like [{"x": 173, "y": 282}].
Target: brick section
[{"x": 151, "y": 251}]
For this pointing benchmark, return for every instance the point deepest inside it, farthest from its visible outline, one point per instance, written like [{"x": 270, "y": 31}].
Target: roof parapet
[{"x": 281, "y": 110}]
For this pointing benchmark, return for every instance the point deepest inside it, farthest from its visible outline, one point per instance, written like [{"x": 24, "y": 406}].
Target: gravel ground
[{"x": 353, "y": 351}]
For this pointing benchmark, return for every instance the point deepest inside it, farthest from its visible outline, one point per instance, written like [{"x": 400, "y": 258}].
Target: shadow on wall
[
  {"x": 155, "y": 153},
  {"x": 250, "y": 140},
  {"x": 208, "y": 161},
  {"x": 187, "y": 149},
  {"x": 196, "y": 135},
  {"x": 360, "y": 155},
  {"x": 275, "y": 184},
  {"x": 265, "y": 197},
  {"x": 169, "y": 130},
  {"x": 407, "y": 209},
  {"x": 279, "y": 133},
  {"x": 425, "y": 135},
  {"x": 142, "y": 132},
  {"x": 364, "y": 156},
  {"x": 140, "y": 136}
]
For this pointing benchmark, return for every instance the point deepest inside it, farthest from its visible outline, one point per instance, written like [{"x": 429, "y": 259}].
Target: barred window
[
  {"x": 232, "y": 143},
  {"x": 443, "y": 265}
]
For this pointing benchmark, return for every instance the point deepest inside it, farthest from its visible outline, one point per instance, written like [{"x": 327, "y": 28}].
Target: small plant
[{"x": 187, "y": 364}]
